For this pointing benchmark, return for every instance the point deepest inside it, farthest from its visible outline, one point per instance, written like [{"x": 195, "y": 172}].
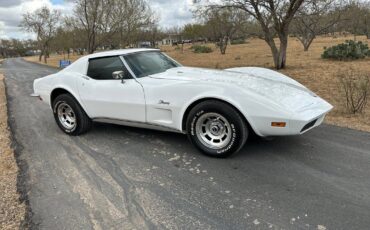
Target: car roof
[
  {"x": 117, "y": 52},
  {"x": 80, "y": 65}
]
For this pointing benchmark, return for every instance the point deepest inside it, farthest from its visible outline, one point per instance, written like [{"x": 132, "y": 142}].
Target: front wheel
[
  {"x": 70, "y": 116},
  {"x": 216, "y": 128}
]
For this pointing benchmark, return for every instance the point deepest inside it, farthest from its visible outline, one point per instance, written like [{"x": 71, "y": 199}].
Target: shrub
[
  {"x": 238, "y": 42},
  {"x": 349, "y": 50},
  {"x": 201, "y": 49},
  {"x": 355, "y": 88}
]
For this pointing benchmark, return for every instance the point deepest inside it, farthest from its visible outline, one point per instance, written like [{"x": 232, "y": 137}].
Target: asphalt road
[{"x": 117, "y": 177}]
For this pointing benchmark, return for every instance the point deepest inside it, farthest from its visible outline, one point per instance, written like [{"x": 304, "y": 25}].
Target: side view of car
[{"x": 217, "y": 109}]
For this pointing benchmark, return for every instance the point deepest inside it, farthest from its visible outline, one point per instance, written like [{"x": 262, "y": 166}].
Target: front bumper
[
  {"x": 300, "y": 122},
  {"x": 302, "y": 126},
  {"x": 34, "y": 95}
]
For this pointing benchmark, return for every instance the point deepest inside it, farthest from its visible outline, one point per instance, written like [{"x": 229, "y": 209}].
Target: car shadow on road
[{"x": 256, "y": 147}]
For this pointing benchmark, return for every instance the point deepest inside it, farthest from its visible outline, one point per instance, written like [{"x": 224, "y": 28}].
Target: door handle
[{"x": 86, "y": 78}]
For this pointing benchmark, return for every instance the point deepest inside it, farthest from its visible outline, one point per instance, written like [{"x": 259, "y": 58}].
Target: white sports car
[{"x": 217, "y": 109}]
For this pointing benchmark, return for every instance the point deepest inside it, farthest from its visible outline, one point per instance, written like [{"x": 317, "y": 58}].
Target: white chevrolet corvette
[{"x": 217, "y": 109}]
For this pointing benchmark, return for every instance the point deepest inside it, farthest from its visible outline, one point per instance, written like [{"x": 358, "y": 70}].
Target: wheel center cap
[{"x": 216, "y": 128}]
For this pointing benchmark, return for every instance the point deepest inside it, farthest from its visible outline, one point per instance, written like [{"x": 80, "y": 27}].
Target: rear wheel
[
  {"x": 69, "y": 115},
  {"x": 216, "y": 128}
]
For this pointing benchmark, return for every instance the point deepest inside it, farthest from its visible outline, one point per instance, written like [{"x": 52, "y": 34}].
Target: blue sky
[
  {"x": 170, "y": 12},
  {"x": 57, "y": 1}
]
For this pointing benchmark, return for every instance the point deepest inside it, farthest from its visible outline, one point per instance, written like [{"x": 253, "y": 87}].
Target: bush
[
  {"x": 238, "y": 42},
  {"x": 349, "y": 50},
  {"x": 355, "y": 88},
  {"x": 201, "y": 49}
]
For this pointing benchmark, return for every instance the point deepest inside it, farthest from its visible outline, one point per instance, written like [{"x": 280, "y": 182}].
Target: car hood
[{"x": 288, "y": 93}]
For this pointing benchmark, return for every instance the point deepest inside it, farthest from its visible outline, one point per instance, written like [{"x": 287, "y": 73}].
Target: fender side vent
[{"x": 308, "y": 125}]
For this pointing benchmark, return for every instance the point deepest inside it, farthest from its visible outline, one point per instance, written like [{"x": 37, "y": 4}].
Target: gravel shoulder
[{"x": 12, "y": 209}]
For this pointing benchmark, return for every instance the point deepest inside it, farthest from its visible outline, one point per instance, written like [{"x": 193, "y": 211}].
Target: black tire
[
  {"x": 239, "y": 129},
  {"x": 82, "y": 122}
]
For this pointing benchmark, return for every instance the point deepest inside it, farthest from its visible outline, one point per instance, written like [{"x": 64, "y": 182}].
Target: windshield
[{"x": 148, "y": 63}]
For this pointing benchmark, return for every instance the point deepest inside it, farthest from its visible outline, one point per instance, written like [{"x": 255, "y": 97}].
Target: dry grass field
[{"x": 306, "y": 67}]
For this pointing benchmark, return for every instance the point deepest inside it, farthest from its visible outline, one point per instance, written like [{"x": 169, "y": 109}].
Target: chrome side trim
[
  {"x": 137, "y": 124},
  {"x": 128, "y": 67}
]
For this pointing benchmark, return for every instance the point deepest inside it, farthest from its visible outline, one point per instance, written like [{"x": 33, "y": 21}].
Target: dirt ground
[
  {"x": 12, "y": 211},
  {"x": 306, "y": 67}
]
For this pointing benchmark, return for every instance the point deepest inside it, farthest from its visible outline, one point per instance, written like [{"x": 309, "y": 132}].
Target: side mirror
[{"x": 119, "y": 75}]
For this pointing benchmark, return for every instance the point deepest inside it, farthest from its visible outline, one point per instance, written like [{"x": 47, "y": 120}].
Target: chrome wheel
[
  {"x": 213, "y": 130},
  {"x": 66, "y": 115}
]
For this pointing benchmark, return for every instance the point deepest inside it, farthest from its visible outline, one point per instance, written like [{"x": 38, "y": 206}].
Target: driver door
[{"x": 107, "y": 98}]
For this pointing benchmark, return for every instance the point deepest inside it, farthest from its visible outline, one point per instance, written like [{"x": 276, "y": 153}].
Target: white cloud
[
  {"x": 11, "y": 16},
  {"x": 170, "y": 12},
  {"x": 173, "y": 13}
]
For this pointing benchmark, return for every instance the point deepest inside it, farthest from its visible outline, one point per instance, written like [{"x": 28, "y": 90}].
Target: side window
[{"x": 102, "y": 68}]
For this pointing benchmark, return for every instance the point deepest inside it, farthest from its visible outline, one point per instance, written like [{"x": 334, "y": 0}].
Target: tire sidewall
[
  {"x": 235, "y": 124},
  {"x": 73, "y": 104}
]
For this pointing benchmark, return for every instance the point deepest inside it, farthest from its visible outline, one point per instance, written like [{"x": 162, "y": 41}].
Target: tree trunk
[
  {"x": 307, "y": 44},
  {"x": 91, "y": 43},
  {"x": 306, "y": 41},
  {"x": 223, "y": 49},
  {"x": 283, "y": 37},
  {"x": 45, "y": 51},
  {"x": 274, "y": 50},
  {"x": 279, "y": 55},
  {"x": 90, "y": 48},
  {"x": 45, "y": 57},
  {"x": 223, "y": 45},
  {"x": 40, "y": 55},
  {"x": 282, "y": 54}
]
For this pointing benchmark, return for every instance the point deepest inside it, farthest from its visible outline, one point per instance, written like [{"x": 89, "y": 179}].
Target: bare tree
[
  {"x": 44, "y": 23},
  {"x": 355, "y": 87},
  {"x": 103, "y": 20},
  {"x": 136, "y": 16},
  {"x": 152, "y": 34},
  {"x": 194, "y": 32},
  {"x": 274, "y": 17},
  {"x": 313, "y": 18},
  {"x": 223, "y": 24},
  {"x": 71, "y": 36},
  {"x": 63, "y": 41},
  {"x": 356, "y": 18},
  {"x": 7, "y": 48},
  {"x": 92, "y": 16}
]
